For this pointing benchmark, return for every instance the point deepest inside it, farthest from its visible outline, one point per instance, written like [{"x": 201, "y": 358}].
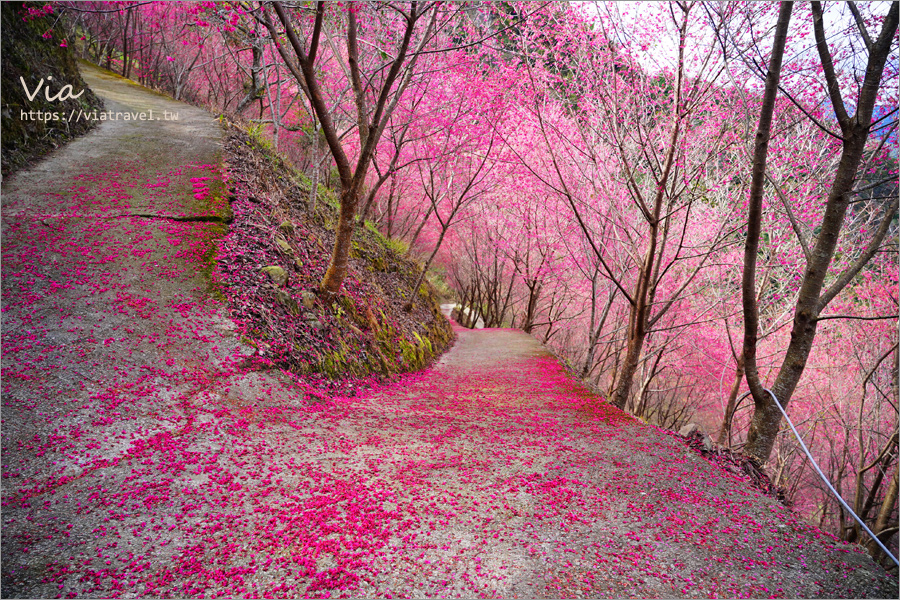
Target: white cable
[{"x": 830, "y": 487}]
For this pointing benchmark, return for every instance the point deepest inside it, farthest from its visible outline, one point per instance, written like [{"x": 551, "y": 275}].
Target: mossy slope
[{"x": 269, "y": 265}]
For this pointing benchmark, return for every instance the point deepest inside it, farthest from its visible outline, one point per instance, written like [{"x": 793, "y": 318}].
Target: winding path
[{"x": 140, "y": 460}]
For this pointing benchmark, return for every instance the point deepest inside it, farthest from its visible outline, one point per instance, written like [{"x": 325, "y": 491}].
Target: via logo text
[{"x": 64, "y": 94}]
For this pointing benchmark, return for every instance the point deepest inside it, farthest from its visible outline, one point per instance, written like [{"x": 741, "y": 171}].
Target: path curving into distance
[{"x": 139, "y": 460}]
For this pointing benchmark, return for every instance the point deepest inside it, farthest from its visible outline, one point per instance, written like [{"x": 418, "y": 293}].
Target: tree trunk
[
  {"x": 255, "y": 69},
  {"x": 766, "y": 419},
  {"x": 725, "y": 431},
  {"x": 766, "y": 416},
  {"x": 811, "y": 299},
  {"x": 314, "y": 184},
  {"x": 126, "y": 55},
  {"x": 371, "y": 123},
  {"x": 390, "y": 209},
  {"x": 628, "y": 368},
  {"x": 637, "y": 318},
  {"x": 882, "y": 528},
  {"x": 534, "y": 292},
  {"x": 337, "y": 268},
  {"x": 863, "y": 508}
]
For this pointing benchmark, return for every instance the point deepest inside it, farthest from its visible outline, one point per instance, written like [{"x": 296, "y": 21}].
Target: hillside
[
  {"x": 272, "y": 258},
  {"x": 33, "y": 53}
]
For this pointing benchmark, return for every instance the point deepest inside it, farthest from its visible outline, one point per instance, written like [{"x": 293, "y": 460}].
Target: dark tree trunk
[
  {"x": 884, "y": 529},
  {"x": 812, "y": 299},
  {"x": 126, "y": 55},
  {"x": 340, "y": 256},
  {"x": 639, "y": 316},
  {"x": 725, "y": 431},
  {"x": 534, "y": 292},
  {"x": 763, "y": 415},
  {"x": 255, "y": 69}
]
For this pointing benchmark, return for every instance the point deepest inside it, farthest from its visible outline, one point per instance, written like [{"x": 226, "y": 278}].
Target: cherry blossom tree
[
  {"x": 649, "y": 139},
  {"x": 377, "y": 83},
  {"x": 813, "y": 296}
]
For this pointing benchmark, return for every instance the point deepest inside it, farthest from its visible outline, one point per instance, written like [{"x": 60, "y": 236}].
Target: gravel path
[{"x": 140, "y": 460}]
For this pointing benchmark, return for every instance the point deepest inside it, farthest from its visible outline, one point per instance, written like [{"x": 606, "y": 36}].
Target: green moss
[
  {"x": 414, "y": 355},
  {"x": 426, "y": 344},
  {"x": 439, "y": 334},
  {"x": 217, "y": 201},
  {"x": 356, "y": 316},
  {"x": 216, "y": 204},
  {"x": 208, "y": 262},
  {"x": 331, "y": 364},
  {"x": 345, "y": 362},
  {"x": 409, "y": 353},
  {"x": 334, "y": 363},
  {"x": 384, "y": 331},
  {"x": 257, "y": 133}
]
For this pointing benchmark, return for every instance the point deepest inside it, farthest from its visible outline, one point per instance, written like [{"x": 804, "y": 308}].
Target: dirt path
[
  {"x": 105, "y": 316},
  {"x": 140, "y": 460}
]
